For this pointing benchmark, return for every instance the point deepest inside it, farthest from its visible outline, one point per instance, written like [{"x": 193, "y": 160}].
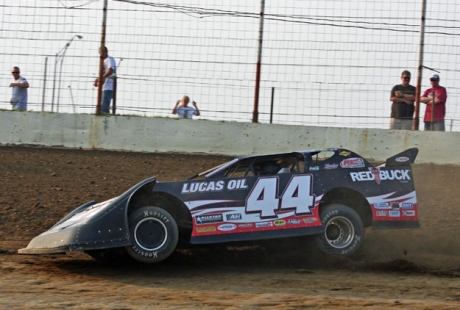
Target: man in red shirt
[{"x": 435, "y": 100}]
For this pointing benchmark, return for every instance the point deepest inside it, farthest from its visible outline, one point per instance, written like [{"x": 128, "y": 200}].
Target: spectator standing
[
  {"x": 183, "y": 110},
  {"x": 435, "y": 99},
  {"x": 110, "y": 69},
  {"x": 403, "y": 98},
  {"x": 19, "y": 90}
]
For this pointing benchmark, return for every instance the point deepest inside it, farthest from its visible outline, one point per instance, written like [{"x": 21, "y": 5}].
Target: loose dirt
[{"x": 400, "y": 269}]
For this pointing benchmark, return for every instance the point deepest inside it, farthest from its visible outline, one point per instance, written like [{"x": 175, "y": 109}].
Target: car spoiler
[{"x": 402, "y": 159}]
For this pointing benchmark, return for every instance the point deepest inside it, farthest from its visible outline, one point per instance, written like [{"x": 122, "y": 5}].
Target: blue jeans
[
  {"x": 106, "y": 98},
  {"x": 20, "y": 107},
  {"x": 437, "y": 126}
]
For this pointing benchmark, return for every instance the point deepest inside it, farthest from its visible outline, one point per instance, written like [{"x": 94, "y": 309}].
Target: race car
[{"x": 332, "y": 193}]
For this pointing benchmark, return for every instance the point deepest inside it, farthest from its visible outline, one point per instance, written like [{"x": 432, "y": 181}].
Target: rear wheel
[
  {"x": 344, "y": 230},
  {"x": 154, "y": 235}
]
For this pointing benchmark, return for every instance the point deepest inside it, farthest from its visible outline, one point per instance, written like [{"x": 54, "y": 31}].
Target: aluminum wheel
[{"x": 339, "y": 232}]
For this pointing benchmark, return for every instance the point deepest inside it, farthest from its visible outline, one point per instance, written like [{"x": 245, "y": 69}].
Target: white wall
[{"x": 146, "y": 134}]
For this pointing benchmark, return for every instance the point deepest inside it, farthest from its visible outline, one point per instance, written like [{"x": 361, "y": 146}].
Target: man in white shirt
[
  {"x": 19, "y": 88},
  {"x": 110, "y": 69},
  {"x": 183, "y": 110}
]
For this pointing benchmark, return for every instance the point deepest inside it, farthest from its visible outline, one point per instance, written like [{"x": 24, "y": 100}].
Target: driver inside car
[
  {"x": 281, "y": 165},
  {"x": 284, "y": 164}
]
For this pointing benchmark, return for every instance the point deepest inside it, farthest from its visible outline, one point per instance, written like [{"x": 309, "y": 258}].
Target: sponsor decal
[
  {"x": 279, "y": 222},
  {"x": 237, "y": 184},
  {"x": 264, "y": 224},
  {"x": 400, "y": 175},
  {"x": 209, "y": 218},
  {"x": 310, "y": 220},
  {"x": 213, "y": 186},
  {"x": 331, "y": 166},
  {"x": 200, "y": 187},
  {"x": 381, "y": 205},
  {"x": 395, "y": 205},
  {"x": 409, "y": 212},
  {"x": 376, "y": 173},
  {"x": 245, "y": 225},
  {"x": 394, "y": 213},
  {"x": 315, "y": 168},
  {"x": 381, "y": 213},
  {"x": 226, "y": 227},
  {"x": 294, "y": 221},
  {"x": 344, "y": 153},
  {"x": 406, "y": 205},
  {"x": 402, "y": 159},
  {"x": 354, "y": 162},
  {"x": 233, "y": 217},
  {"x": 205, "y": 229}
]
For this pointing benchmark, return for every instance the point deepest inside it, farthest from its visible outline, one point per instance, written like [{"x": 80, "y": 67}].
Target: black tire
[
  {"x": 154, "y": 235},
  {"x": 344, "y": 230}
]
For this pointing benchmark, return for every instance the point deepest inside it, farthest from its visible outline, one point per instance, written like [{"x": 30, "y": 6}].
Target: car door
[{"x": 252, "y": 201}]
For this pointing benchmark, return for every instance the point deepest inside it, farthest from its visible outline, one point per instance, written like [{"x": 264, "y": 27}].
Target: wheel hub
[
  {"x": 339, "y": 232},
  {"x": 150, "y": 234}
]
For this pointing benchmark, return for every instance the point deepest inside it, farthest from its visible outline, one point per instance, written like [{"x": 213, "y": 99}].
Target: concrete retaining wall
[{"x": 147, "y": 134}]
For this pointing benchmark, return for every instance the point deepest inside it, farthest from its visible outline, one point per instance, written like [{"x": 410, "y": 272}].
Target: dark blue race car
[{"x": 331, "y": 193}]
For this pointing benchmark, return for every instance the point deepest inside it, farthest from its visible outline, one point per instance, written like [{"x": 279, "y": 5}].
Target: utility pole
[
  {"x": 255, "y": 112},
  {"x": 416, "y": 121},
  {"x": 101, "y": 61}
]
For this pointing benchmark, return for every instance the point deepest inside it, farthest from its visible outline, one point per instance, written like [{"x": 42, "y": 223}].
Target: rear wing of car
[{"x": 402, "y": 159}]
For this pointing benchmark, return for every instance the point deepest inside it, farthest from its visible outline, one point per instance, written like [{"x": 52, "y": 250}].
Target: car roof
[
  {"x": 295, "y": 152},
  {"x": 306, "y": 154}
]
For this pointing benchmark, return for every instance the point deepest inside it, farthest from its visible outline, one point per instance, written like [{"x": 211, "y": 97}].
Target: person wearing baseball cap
[{"x": 435, "y": 100}]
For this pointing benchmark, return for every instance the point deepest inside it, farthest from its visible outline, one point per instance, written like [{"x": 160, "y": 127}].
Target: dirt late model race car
[{"x": 331, "y": 193}]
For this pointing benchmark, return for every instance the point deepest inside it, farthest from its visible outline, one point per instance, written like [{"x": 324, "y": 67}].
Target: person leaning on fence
[
  {"x": 402, "y": 108},
  {"x": 110, "y": 68},
  {"x": 435, "y": 98},
  {"x": 183, "y": 110},
  {"x": 19, "y": 88}
]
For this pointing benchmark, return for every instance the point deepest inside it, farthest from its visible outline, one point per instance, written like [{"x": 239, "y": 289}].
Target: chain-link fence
[{"x": 323, "y": 63}]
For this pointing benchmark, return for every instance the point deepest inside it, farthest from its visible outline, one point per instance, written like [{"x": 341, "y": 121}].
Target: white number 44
[{"x": 297, "y": 196}]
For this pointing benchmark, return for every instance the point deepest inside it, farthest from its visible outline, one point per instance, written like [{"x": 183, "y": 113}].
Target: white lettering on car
[
  {"x": 200, "y": 187},
  {"x": 297, "y": 196},
  {"x": 237, "y": 184},
  {"x": 400, "y": 175}
]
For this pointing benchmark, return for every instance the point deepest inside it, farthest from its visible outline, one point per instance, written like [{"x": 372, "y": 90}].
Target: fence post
[
  {"x": 44, "y": 84},
  {"x": 271, "y": 106},
  {"x": 255, "y": 112},
  {"x": 101, "y": 61},
  {"x": 416, "y": 121}
]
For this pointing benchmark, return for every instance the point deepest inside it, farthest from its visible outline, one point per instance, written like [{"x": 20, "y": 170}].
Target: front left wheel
[{"x": 154, "y": 235}]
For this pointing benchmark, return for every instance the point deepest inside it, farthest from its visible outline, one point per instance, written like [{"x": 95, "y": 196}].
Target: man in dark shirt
[{"x": 403, "y": 98}]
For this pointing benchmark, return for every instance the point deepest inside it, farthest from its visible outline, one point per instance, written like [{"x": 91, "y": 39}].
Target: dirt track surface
[{"x": 395, "y": 269}]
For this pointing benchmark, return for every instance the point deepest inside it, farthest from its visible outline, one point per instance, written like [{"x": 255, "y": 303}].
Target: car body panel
[{"x": 89, "y": 227}]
